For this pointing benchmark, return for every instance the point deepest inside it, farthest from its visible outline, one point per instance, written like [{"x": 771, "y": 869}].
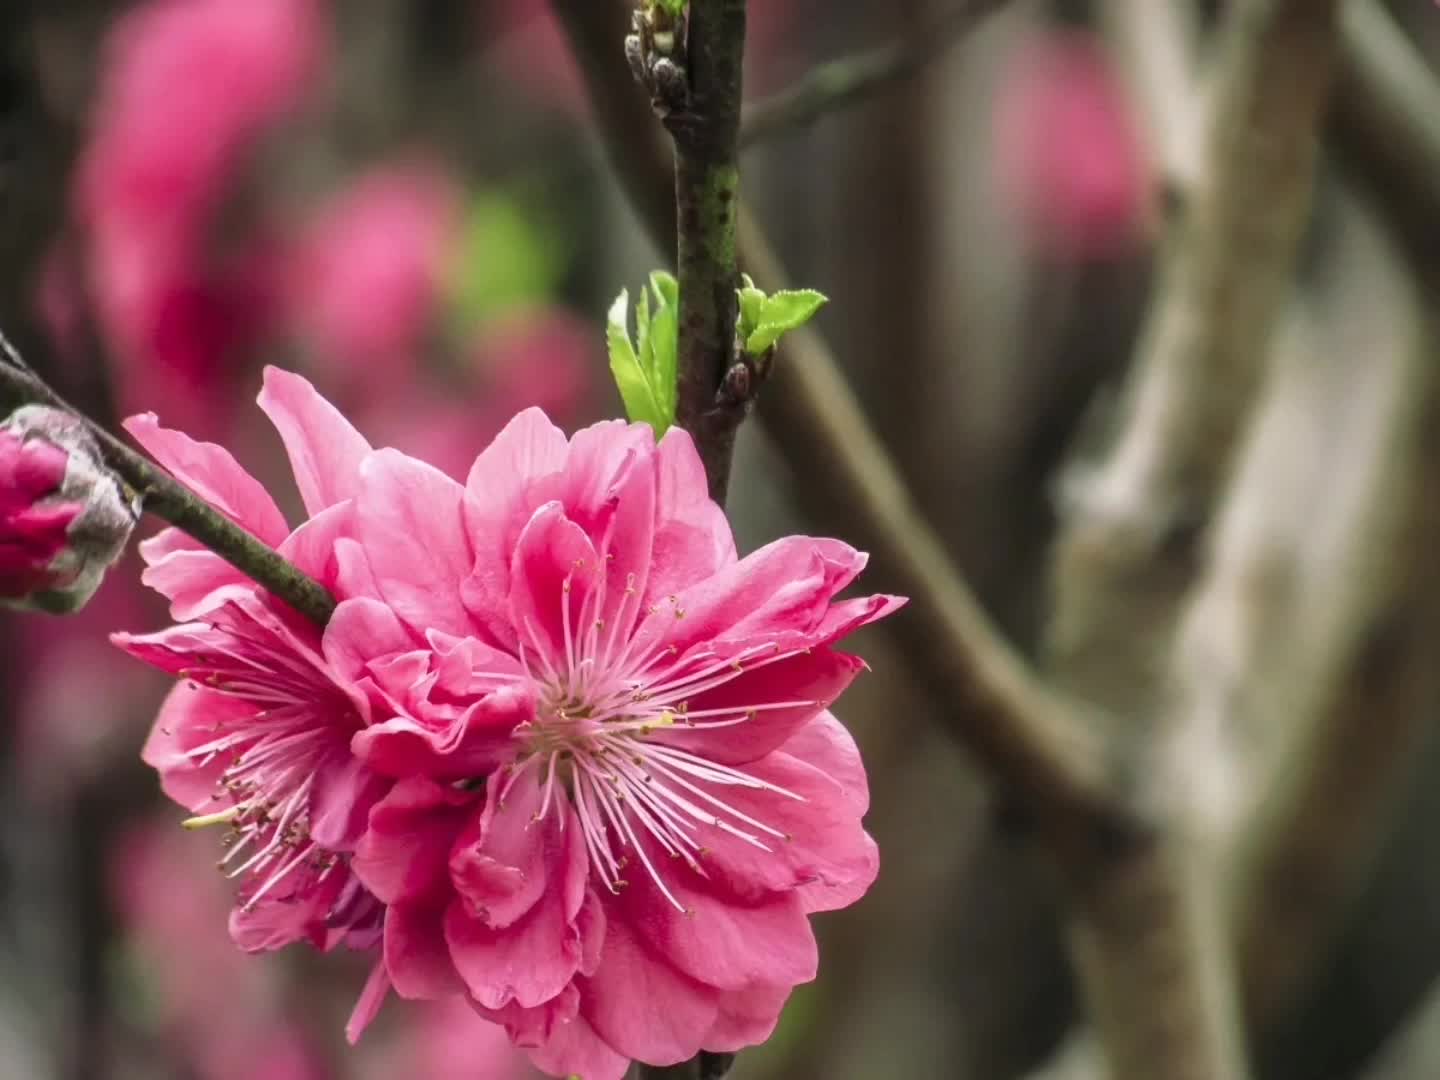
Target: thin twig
[
  {"x": 849, "y": 80},
  {"x": 168, "y": 499}
]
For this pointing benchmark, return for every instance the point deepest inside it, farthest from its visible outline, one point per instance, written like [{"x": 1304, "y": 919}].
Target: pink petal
[
  {"x": 194, "y": 581},
  {"x": 783, "y": 587},
  {"x": 747, "y": 1017},
  {"x": 554, "y": 571},
  {"x": 186, "y": 720},
  {"x": 312, "y": 546},
  {"x": 692, "y": 536},
  {"x": 506, "y": 485},
  {"x": 340, "y": 802},
  {"x": 827, "y": 745},
  {"x": 325, "y": 450},
  {"x": 462, "y": 748},
  {"x": 816, "y": 678},
  {"x": 575, "y": 1049},
  {"x": 827, "y": 857},
  {"x": 361, "y": 630},
  {"x": 499, "y": 865},
  {"x": 722, "y": 941},
  {"x": 644, "y": 1008},
  {"x": 377, "y": 989},
  {"x": 213, "y": 474},
  {"x": 408, "y": 518},
  {"x": 626, "y": 544},
  {"x": 600, "y": 457},
  {"x": 533, "y": 958},
  {"x": 416, "y": 954},
  {"x": 528, "y": 962},
  {"x": 402, "y": 856}
]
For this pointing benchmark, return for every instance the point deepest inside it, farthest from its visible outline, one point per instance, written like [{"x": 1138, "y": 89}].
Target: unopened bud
[{"x": 64, "y": 517}]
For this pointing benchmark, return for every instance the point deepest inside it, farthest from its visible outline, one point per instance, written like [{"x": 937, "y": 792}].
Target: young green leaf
[
  {"x": 779, "y": 314},
  {"x": 752, "y": 302},
  {"x": 665, "y": 341},
  {"x": 636, "y": 391}
]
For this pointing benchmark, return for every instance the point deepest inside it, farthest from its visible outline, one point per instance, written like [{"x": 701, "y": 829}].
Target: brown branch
[
  {"x": 168, "y": 499},
  {"x": 849, "y": 80},
  {"x": 1387, "y": 123},
  {"x": 1307, "y": 853},
  {"x": 1131, "y": 544},
  {"x": 705, "y": 127}
]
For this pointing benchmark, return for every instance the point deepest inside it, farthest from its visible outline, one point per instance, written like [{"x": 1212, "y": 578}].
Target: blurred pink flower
[
  {"x": 257, "y": 735},
  {"x": 445, "y": 1040},
  {"x": 64, "y": 518},
  {"x": 1069, "y": 158},
  {"x": 672, "y": 798},
  {"x": 364, "y": 282},
  {"x": 224, "y": 1016},
  {"x": 188, "y": 89},
  {"x": 543, "y": 359}
]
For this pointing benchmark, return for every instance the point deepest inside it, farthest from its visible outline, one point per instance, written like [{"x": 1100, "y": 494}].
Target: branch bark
[
  {"x": 706, "y": 133},
  {"x": 168, "y": 499},
  {"x": 849, "y": 80}
]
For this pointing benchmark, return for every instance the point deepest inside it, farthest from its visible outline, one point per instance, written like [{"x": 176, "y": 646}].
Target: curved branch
[
  {"x": 849, "y": 80},
  {"x": 165, "y": 497}
]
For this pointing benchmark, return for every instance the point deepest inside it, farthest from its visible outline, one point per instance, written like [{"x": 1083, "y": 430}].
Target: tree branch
[
  {"x": 1387, "y": 119},
  {"x": 706, "y": 130},
  {"x": 168, "y": 499},
  {"x": 849, "y": 80}
]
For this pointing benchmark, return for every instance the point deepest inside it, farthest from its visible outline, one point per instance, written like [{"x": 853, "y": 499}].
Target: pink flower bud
[{"x": 64, "y": 517}]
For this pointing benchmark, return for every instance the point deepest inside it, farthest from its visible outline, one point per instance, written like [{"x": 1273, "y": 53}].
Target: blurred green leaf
[{"x": 510, "y": 256}]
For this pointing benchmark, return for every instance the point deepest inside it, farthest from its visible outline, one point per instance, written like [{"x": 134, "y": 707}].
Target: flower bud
[{"x": 64, "y": 517}]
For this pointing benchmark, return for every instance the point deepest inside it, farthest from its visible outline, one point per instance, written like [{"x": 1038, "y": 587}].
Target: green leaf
[
  {"x": 752, "y": 302},
  {"x": 636, "y": 391},
  {"x": 666, "y": 287},
  {"x": 779, "y": 314},
  {"x": 665, "y": 342},
  {"x": 644, "y": 349}
]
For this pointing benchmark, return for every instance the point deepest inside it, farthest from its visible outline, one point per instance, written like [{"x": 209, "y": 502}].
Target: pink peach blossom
[
  {"x": 366, "y": 278},
  {"x": 257, "y": 734},
  {"x": 612, "y": 843}
]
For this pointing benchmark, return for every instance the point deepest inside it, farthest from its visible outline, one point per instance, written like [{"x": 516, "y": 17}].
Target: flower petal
[
  {"x": 692, "y": 536},
  {"x": 814, "y": 678},
  {"x": 747, "y": 1017},
  {"x": 554, "y": 575},
  {"x": 642, "y": 1006},
  {"x": 402, "y": 856},
  {"x": 325, "y": 450},
  {"x": 460, "y": 748},
  {"x": 416, "y": 954},
  {"x": 408, "y": 519},
  {"x": 515, "y": 474},
  {"x": 213, "y": 474},
  {"x": 720, "y": 940}
]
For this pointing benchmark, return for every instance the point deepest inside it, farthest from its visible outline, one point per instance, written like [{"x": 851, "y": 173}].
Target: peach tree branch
[{"x": 168, "y": 499}]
